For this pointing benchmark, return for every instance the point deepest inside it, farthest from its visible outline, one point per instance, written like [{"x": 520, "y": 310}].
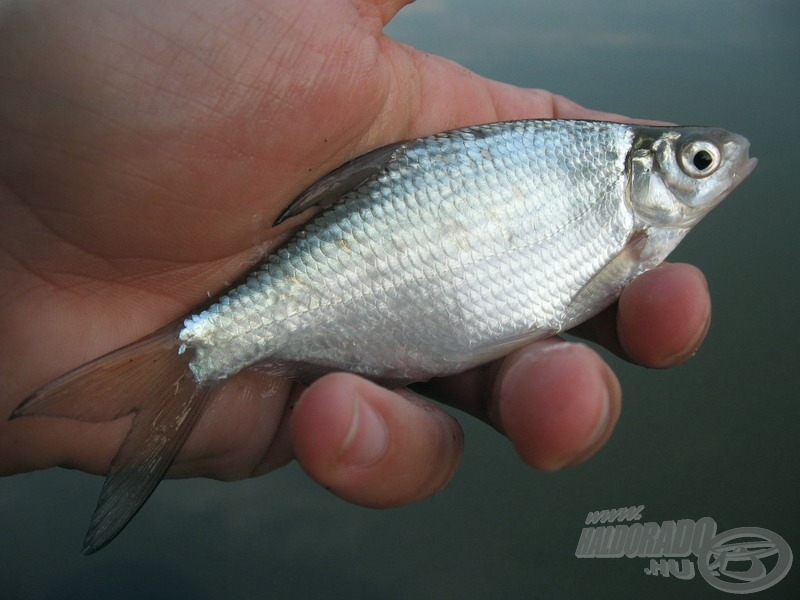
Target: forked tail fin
[{"x": 148, "y": 379}]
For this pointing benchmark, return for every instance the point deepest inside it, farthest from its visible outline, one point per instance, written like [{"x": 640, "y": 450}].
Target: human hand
[{"x": 145, "y": 149}]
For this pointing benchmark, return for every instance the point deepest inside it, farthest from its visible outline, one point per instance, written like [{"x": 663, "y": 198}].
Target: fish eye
[{"x": 699, "y": 158}]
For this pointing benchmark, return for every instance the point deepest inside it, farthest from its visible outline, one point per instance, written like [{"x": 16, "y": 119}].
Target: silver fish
[{"x": 432, "y": 256}]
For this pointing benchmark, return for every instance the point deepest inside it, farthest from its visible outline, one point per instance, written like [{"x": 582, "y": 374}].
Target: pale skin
[{"x": 145, "y": 150}]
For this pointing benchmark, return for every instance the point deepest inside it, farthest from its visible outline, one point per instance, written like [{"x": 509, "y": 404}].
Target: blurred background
[{"x": 716, "y": 437}]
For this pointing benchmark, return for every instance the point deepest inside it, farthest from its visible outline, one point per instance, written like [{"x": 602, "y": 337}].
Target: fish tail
[{"x": 149, "y": 379}]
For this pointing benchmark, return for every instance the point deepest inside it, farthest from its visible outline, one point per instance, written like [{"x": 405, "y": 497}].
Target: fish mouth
[
  {"x": 747, "y": 168},
  {"x": 740, "y": 174},
  {"x": 743, "y": 164},
  {"x": 748, "y": 163}
]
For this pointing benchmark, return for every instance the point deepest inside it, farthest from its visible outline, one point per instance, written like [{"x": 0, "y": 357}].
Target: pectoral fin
[{"x": 602, "y": 289}]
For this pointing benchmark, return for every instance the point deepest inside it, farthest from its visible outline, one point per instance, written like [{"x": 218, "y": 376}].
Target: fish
[{"x": 426, "y": 257}]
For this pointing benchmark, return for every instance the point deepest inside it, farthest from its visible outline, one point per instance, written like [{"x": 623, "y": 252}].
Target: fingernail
[{"x": 367, "y": 438}]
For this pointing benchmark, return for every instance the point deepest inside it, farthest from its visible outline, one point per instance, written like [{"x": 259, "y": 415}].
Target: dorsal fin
[{"x": 342, "y": 180}]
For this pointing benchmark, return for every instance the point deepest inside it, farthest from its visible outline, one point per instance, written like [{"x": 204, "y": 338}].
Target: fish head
[{"x": 678, "y": 174}]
